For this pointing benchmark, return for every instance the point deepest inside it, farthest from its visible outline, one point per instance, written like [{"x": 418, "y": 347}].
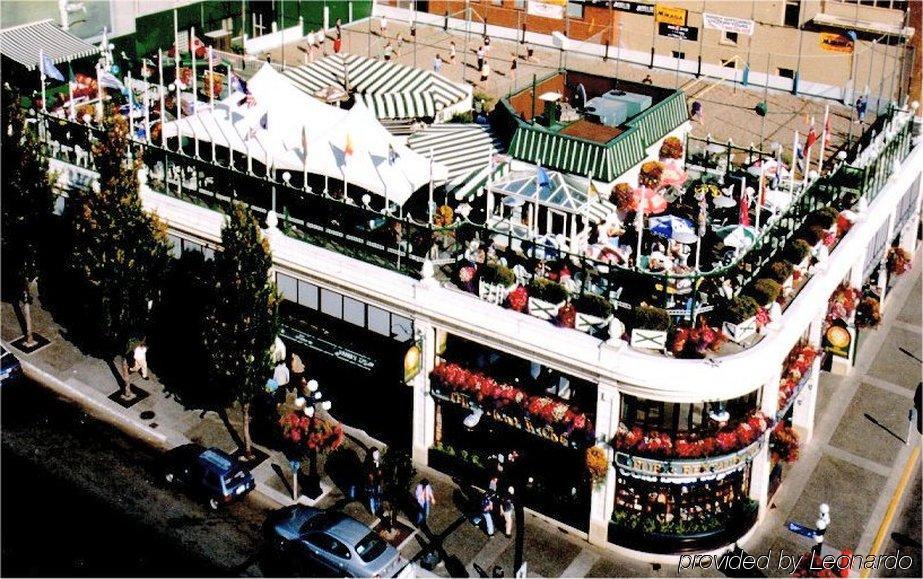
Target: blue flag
[
  {"x": 48, "y": 69},
  {"x": 542, "y": 177},
  {"x": 238, "y": 84}
]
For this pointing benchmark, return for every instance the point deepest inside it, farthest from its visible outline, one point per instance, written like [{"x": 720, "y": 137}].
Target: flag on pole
[
  {"x": 392, "y": 154},
  {"x": 108, "y": 80},
  {"x": 811, "y": 138},
  {"x": 47, "y": 68},
  {"x": 542, "y": 177},
  {"x": 238, "y": 84},
  {"x": 348, "y": 149},
  {"x": 592, "y": 193}
]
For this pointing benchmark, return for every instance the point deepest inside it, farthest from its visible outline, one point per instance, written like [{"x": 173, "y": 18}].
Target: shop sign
[
  {"x": 545, "y": 431},
  {"x": 839, "y": 339},
  {"x": 669, "y": 15},
  {"x": 546, "y": 8},
  {"x": 727, "y": 23},
  {"x": 413, "y": 362},
  {"x": 327, "y": 347},
  {"x": 687, "y": 467},
  {"x": 836, "y": 42},
  {"x": 674, "y": 31},
  {"x": 636, "y": 7}
]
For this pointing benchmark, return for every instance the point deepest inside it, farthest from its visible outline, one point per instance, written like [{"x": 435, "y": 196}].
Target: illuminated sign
[{"x": 670, "y": 15}]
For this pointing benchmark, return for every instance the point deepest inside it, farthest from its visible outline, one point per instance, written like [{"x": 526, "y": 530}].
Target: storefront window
[
  {"x": 575, "y": 9},
  {"x": 674, "y": 417}
]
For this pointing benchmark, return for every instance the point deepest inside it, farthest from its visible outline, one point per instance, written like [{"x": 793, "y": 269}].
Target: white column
[
  {"x": 760, "y": 468},
  {"x": 602, "y": 500},
  {"x": 424, "y": 407},
  {"x": 806, "y": 403}
]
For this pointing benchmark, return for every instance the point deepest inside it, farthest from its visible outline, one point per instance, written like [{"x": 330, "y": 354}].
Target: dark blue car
[
  {"x": 209, "y": 473},
  {"x": 10, "y": 369}
]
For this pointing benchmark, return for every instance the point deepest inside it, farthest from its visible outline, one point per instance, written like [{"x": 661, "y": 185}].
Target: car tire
[
  {"x": 169, "y": 477},
  {"x": 213, "y": 503}
]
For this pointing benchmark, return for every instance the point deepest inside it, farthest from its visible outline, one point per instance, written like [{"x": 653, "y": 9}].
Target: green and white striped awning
[
  {"x": 391, "y": 90},
  {"x": 605, "y": 161},
  {"x": 23, "y": 44},
  {"x": 464, "y": 149}
]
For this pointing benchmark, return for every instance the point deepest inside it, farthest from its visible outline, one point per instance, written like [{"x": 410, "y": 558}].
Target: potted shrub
[
  {"x": 740, "y": 318},
  {"x": 650, "y": 327},
  {"x": 495, "y": 283},
  {"x": 623, "y": 195},
  {"x": 798, "y": 253},
  {"x": 593, "y": 313},
  {"x": 546, "y": 298},
  {"x": 765, "y": 291},
  {"x": 781, "y": 271},
  {"x": 651, "y": 173},
  {"x": 671, "y": 148}
]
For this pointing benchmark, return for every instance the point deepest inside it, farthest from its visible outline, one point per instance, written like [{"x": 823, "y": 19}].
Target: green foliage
[
  {"x": 780, "y": 271},
  {"x": 765, "y": 291},
  {"x": 651, "y": 318},
  {"x": 594, "y": 305},
  {"x": 117, "y": 253},
  {"x": 463, "y": 117},
  {"x": 488, "y": 101},
  {"x": 242, "y": 324},
  {"x": 796, "y": 251},
  {"x": 741, "y": 308},
  {"x": 27, "y": 196},
  {"x": 547, "y": 290},
  {"x": 496, "y": 273}
]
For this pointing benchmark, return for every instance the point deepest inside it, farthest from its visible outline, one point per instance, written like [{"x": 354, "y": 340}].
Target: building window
[
  {"x": 379, "y": 321},
  {"x": 678, "y": 54},
  {"x": 307, "y": 294},
  {"x": 792, "y": 14},
  {"x": 519, "y": 4},
  {"x": 730, "y": 63},
  {"x": 353, "y": 311},
  {"x": 288, "y": 287},
  {"x": 331, "y": 303},
  {"x": 786, "y": 73},
  {"x": 729, "y": 38},
  {"x": 575, "y": 10}
]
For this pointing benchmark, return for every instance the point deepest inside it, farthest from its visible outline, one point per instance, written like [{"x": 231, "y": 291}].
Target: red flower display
[
  {"x": 314, "y": 433},
  {"x": 899, "y": 261},
  {"x": 843, "y": 302},
  {"x": 660, "y": 444},
  {"x": 518, "y": 299},
  {"x": 796, "y": 365},
  {"x": 486, "y": 390},
  {"x": 783, "y": 443}
]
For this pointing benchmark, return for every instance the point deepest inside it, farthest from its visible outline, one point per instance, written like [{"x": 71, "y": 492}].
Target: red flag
[
  {"x": 810, "y": 139},
  {"x": 744, "y": 209}
]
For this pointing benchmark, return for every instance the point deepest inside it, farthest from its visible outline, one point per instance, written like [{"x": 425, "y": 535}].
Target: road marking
[
  {"x": 892, "y": 506},
  {"x": 889, "y": 386},
  {"x": 581, "y": 564}
]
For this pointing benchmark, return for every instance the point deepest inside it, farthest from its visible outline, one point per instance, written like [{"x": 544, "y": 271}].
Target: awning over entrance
[
  {"x": 24, "y": 43},
  {"x": 464, "y": 150}
]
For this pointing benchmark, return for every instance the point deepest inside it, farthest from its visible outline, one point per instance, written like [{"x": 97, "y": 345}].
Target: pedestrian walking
[
  {"x": 506, "y": 510},
  {"x": 647, "y": 80},
  {"x": 513, "y": 67},
  {"x": 480, "y": 54},
  {"x": 388, "y": 50},
  {"x": 487, "y": 513},
  {"x": 696, "y": 113},
  {"x": 862, "y": 104},
  {"x": 493, "y": 482},
  {"x": 437, "y": 64},
  {"x": 140, "y": 355},
  {"x": 383, "y": 25},
  {"x": 337, "y": 43},
  {"x": 400, "y": 43},
  {"x": 452, "y": 52},
  {"x": 425, "y": 500},
  {"x": 339, "y": 27},
  {"x": 485, "y": 72},
  {"x": 373, "y": 491},
  {"x": 281, "y": 374}
]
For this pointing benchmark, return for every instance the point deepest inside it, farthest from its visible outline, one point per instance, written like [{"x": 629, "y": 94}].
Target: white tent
[{"x": 271, "y": 126}]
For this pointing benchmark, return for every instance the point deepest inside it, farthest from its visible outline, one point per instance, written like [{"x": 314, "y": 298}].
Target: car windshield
[{"x": 370, "y": 547}]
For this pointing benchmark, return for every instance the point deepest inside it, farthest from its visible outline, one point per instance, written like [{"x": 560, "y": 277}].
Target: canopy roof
[
  {"x": 391, "y": 90},
  {"x": 282, "y": 127},
  {"x": 23, "y": 44},
  {"x": 564, "y": 192}
]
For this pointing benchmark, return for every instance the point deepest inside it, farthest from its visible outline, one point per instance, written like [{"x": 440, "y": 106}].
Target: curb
[{"x": 100, "y": 409}]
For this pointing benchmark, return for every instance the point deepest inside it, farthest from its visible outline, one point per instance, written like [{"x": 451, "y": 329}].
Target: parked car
[
  {"x": 10, "y": 369},
  {"x": 330, "y": 544},
  {"x": 209, "y": 473}
]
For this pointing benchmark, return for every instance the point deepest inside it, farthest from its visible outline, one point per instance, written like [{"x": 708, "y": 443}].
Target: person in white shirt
[
  {"x": 383, "y": 24},
  {"x": 140, "y": 353},
  {"x": 425, "y": 500},
  {"x": 281, "y": 374}
]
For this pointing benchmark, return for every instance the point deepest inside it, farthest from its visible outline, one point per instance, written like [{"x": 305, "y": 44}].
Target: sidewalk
[{"x": 160, "y": 420}]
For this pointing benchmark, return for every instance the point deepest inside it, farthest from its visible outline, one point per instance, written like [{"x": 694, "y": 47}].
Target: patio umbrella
[
  {"x": 737, "y": 236},
  {"x": 672, "y": 227},
  {"x": 716, "y": 148},
  {"x": 513, "y": 201},
  {"x": 649, "y": 201},
  {"x": 724, "y": 202}
]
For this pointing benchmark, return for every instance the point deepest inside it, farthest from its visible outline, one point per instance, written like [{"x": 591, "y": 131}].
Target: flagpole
[
  {"x": 70, "y": 94},
  {"x": 41, "y": 76},
  {"x": 639, "y": 226},
  {"x": 147, "y": 102},
  {"x": 304, "y": 147},
  {"x": 791, "y": 181},
  {"x": 211, "y": 79},
  {"x": 759, "y": 194},
  {"x": 99, "y": 96},
  {"x": 823, "y": 140},
  {"x": 743, "y": 197},
  {"x": 179, "y": 116},
  {"x": 195, "y": 81},
  {"x": 131, "y": 106},
  {"x": 161, "y": 90},
  {"x": 430, "y": 204},
  {"x": 807, "y": 158}
]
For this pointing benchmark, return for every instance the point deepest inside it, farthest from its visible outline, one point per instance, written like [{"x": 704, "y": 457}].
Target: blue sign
[{"x": 801, "y": 529}]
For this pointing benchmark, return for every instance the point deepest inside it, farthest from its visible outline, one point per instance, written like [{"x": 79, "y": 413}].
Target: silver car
[{"x": 330, "y": 544}]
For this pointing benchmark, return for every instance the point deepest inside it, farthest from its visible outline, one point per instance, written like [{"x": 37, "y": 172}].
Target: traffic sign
[{"x": 801, "y": 529}]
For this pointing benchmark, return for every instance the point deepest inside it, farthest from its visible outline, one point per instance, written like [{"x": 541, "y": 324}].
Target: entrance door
[{"x": 359, "y": 370}]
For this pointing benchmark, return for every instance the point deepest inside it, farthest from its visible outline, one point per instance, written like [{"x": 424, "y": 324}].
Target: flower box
[
  {"x": 740, "y": 331},
  {"x": 651, "y": 339},
  {"x": 588, "y": 323},
  {"x": 493, "y": 292},
  {"x": 544, "y": 310}
]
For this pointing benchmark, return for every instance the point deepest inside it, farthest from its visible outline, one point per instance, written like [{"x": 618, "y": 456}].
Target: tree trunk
[
  {"x": 121, "y": 365},
  {"x": 248, "y": 442}
]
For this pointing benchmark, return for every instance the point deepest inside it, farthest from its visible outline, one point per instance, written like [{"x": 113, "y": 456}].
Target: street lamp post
[{"x": 310, "y": 405}]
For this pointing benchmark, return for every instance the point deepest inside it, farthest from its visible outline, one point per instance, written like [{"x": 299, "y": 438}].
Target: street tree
[
  {"x": 242, "y": 324},
  {"x": 27, "y": 201},
  {"x": 118, "y": 253}
]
